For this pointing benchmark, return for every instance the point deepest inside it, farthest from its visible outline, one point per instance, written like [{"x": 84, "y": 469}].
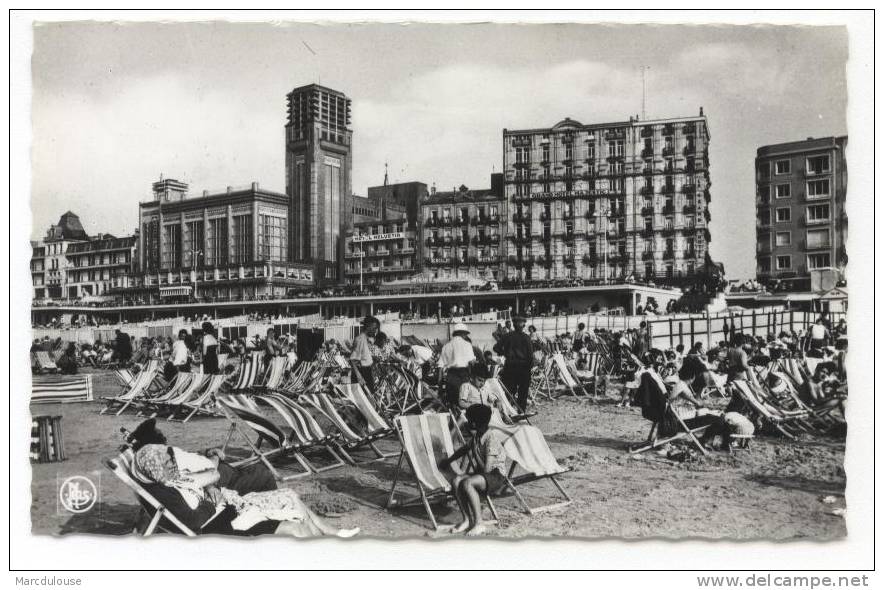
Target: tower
[{"x": 318, "y": 177}]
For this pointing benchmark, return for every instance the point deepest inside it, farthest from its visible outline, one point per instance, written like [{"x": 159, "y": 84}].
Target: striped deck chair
[
  {"x": 55, "y": 389},
  {"x": 181, "y": 382},
  {"x": 353, "y": 436},
  {"x": 249, "y": 372},
  {"x": 204, "y": 403},
  {"x": 427, "y": 438},
  {"x": 124, "y": 378},
  {"x": 787, "y": 423},
  {"x": 508, "y": 407},
  {"x": 566, "y": 377},
  {"x": 356, "y": 394},
  {"x": 540, "y": 380},
  {"x": 532, "y": 460},
  {"x": 282, "y": 444},
  {"x": 43, "y": 363},
  {"x": 274, "y": 376},
  {"x": 141, "y": 388},
  {"x": 304, "y": 429},
  {"x": 650, "y": 378}
]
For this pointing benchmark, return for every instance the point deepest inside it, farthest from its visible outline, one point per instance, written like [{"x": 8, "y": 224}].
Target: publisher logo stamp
[{"x": 77, "y": 494}]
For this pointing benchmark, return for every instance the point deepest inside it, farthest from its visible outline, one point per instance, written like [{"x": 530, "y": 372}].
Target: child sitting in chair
[{"x": 488, "y": 463}]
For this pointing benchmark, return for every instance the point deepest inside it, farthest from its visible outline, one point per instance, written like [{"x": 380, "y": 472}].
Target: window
[
  {"x": 649, "y": 223},
  {"x": 272, "y": 237},
  {"x": 821, "y": 260},
  {"x": 764, "y": 264},
  {"x": 818, "y": 188},
  {"x": 784, "y": 262},
  {"x": 545, "y": 153},
  {"x": 241, "y": 238},
  {"x": 817, "y": 213},
  {"x": 590, "y": 151},
  {"x": 784, "y": 238},
  {"x": 818, "y": 238},
  {"x": 569, "y": 151},
  {"x": 818, "y": 165},
  {"x": 783, "y": 167},
  {"x": 172, "y": 250},
  {"x": 784, "y": 214},
  {"x": 784, "y": 190}
]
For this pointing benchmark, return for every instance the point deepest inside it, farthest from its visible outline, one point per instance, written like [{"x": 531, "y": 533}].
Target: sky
[{"x": 115, "y": 105}]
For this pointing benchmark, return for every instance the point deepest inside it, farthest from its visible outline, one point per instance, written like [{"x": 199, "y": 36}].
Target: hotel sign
[
  {"x": 570, "y": 194},
  {"x": 378, "y": 237}
]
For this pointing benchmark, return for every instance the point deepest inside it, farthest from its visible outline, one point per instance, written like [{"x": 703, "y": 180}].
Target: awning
[{"x": 178, "y": 291}]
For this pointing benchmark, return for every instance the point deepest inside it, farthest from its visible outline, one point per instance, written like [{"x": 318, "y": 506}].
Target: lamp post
[{"x": 195, "y": 255}]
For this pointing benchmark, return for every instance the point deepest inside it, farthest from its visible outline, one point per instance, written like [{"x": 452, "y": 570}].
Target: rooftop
[{"x": 811, "y": 143}]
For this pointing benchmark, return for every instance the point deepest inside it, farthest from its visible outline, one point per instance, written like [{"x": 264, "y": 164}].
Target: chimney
[
  {"x": 701, "y": 111},
  {"x": 205, "y": 193},
  {"x": 255, "y": 186},
  {"x": 433, "y": 189},
  {"x": 229, "y": 189}
]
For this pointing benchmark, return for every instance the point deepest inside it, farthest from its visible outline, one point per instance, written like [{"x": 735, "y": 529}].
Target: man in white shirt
[
  {"x": 819, "y": 335},
  {"x": 180, "y": 353},
  {"x": 454, "y": 361}
]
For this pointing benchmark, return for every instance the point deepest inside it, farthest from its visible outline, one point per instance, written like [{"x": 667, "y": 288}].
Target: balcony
[
  {"x": 432, "y": 222},
  {"x": 521, "y": 238},
  {"x": 668, "y": 151},
  {"x": 668, "y": 254},
  {"x": 688, "y": 188},
  {"x": 493, "y": 259},
  {"x": 382, "y": 252},
  {"x": 669, "y": 129},
  {"x": 614, "y": 233},
  {"x": 545, "y": 216},
  {"x": 590, "y": 214},
  {"x": 706, "y": 215},
  {"x": 647, "y": 232},
  {"x": 647, "y": 191},
  {"x": 569, "y": 236},
  {"x": 591, "y": 259},
  {"x": 689, "y": 128},
  {"x": 569, "y": 260},
  {"x": 690, "y": 150},
  {"x": 615, "y": 134},
  {"x": 668, "y": 189},
  {"x": 668, "y": 231},
  {"x": 647, "y": 210},
  {"x": 521, "y": 217},
  {"x": 690, "y": 253},
  {"x": 647, "y": 131},
  {"x": 486, "y": 240},
  {"x": 689, "y": 209},
  {"x": 668, "y": 209},
  {"x": 463, "y": 220},
  {"x": 648, "y": 255}
]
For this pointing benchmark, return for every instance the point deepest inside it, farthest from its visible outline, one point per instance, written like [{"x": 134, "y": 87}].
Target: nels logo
[{"x": 77, "y": 494}]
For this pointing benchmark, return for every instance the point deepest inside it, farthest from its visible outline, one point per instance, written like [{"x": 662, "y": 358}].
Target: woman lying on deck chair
[
  {"x": 185, "y": 483},
  {"x": 685, "y": 405}
]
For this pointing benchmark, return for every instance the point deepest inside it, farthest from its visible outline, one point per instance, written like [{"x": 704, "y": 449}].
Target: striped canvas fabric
[
  {"x": 49, "y": 390},
  {"x": 426, "y": 438}
]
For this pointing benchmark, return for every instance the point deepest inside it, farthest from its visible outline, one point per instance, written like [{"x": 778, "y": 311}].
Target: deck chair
[
  {"x": 199, "y": 400},
  {"x": 44, "y": 363},
  {"x": 249, "y": 372},
  {"x": 140, "y": 388},
  {"x": 532, "y": 460},
  {"x": 180, "y": 383},
  {"x": 427, "y": 438},
  {"x": 508, "y": 407},
  {"x": 778, "y": 419},
  {"x": 662, "y": 411},
  {"x": 274, "y": 376},
  {"x": 161, "y": 518},
  {"x": 283, "y": 444},
  {"x": 355, "y": 392},
  {"x": 567, "y": 378},
  {"x": 304, "y": 429},
  {"x": 353, "y": 437},
  {"x": 124, "y": 378}
]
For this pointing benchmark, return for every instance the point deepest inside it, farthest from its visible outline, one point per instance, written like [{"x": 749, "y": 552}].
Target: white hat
[
  {"x": 671, "y": 379},
  {"x": 459, "y": 327}
]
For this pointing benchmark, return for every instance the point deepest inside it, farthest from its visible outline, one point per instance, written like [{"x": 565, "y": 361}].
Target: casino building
[
  {"x": 608, "y": 200},
  {"x": 215, "y": 247}
]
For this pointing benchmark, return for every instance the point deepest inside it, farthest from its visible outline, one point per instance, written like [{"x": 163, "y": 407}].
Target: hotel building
[{"x": 607, "y": 201}]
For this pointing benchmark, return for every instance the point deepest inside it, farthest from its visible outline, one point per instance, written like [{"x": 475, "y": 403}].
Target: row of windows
[
  {"x": 814, "y": 238},
  {"x": 815, "y": 189},
  {"x": 784, "y": 262},
  {"x": 814, "y": 214},
  {"x": 813, "y": 165}
]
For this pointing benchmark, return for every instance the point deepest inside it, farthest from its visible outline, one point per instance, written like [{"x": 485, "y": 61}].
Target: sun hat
[{"x": 459, "y": 327}]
